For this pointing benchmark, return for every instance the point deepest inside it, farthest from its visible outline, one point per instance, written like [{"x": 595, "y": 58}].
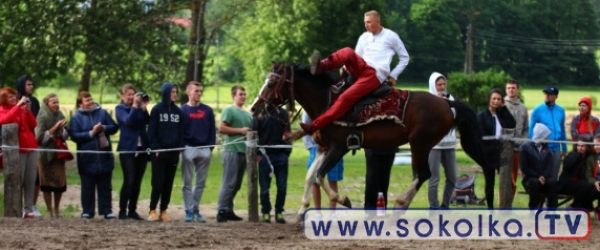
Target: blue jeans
[{"x": 280, "y": 172}]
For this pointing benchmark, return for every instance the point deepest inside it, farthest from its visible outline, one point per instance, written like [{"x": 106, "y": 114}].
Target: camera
[
  {"x": 144, "y": 96},
  {"x": 445, "y": 94}
]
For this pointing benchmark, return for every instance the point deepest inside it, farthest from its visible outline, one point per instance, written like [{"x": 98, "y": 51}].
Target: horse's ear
[
  {"x": 281, "y": 67},
  {"x": 272, "y": 65}
]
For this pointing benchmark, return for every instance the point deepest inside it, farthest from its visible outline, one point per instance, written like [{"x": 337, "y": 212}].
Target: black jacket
[
  {"x": 165, "y": 128},
  {"x": 573, "y": 168},
  {"x": 487, "y": 123},
  {"x": 534, "y": 164},
  {"x": 35, "y": 104},
  {"x": 271, "y": 129}
]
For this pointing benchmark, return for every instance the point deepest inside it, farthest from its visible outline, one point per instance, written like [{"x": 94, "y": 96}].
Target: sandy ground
[{"x": 102, "y": 234}]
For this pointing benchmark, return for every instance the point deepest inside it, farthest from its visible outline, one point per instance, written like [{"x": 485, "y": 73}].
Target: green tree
[
  {"x": 289, "y": 30},
  {"x": 30, "y": 32},
  {"x": 434, "y": 38}
]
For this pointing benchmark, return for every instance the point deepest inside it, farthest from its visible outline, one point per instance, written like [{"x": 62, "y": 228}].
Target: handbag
[{"x": 62, "y": 145}]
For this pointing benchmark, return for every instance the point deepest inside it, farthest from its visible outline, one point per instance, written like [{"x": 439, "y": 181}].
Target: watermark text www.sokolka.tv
[{"x": 356, "y": 224}]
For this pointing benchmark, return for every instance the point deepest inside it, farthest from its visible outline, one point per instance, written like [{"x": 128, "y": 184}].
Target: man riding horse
[{"x": 369, "y": 64}]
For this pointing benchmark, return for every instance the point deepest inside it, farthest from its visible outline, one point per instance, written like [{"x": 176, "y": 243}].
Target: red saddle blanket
[{"x": 391, "y": 106}]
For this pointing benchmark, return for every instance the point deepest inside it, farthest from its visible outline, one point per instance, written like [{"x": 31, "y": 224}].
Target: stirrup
[{"x": 353, "y": 141}]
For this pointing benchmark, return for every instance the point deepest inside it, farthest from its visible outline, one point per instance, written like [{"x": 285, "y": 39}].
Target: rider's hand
[{"x": 392, "y": 81}]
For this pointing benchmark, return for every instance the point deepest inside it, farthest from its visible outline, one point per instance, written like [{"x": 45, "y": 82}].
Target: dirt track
[{"x": 101, "y": 234}]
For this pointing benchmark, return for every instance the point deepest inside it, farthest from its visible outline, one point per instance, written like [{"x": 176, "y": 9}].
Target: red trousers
[{"x": 366, "y": 82}]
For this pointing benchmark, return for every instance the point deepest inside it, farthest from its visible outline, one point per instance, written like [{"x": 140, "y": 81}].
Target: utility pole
[{"x": 469, "y": 49}]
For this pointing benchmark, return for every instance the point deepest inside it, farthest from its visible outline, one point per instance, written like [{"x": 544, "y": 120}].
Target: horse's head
[{"x": 277, "y": 90}]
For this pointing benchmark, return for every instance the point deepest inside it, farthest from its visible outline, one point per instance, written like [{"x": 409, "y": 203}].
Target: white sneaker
[
  {"x": 318, "y": 217},
  {"x": 36, "y": 212},
  {"x": 333, "y": 217}
]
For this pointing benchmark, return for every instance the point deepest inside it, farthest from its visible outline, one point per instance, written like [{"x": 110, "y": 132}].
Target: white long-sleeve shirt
[{"x": 379, "y": 49}]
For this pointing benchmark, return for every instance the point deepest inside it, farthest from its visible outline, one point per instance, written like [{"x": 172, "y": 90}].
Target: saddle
[
  {"x": 347, "y": 80},
  {"x": 353, "y": 117}
]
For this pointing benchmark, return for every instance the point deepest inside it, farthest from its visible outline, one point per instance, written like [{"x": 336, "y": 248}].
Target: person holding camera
[
  {"x": 443, "y": 153},
  {"x": 25, "y": 88},
  {"x": 20, "y": 113},
  {"x": 132, "y": 117}
]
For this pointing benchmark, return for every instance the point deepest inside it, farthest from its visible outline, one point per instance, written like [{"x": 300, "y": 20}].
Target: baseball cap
[{"x": 551, "y": 90}]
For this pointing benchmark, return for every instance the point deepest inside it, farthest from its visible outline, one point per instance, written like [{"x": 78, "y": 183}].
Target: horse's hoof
[
  {"x": 299, "y": 218},
  {"x": 346, "y": 202}
]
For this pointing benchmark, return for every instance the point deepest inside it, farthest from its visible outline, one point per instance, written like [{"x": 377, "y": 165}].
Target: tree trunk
[
  {"x": 84, "y": 83},
  {"x": 197, "y": 41}
]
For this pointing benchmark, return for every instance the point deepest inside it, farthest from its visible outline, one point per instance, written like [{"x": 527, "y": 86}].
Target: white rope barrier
[
  {"x": 518, "y": 139},
  {"x": 251, "y": 144}
]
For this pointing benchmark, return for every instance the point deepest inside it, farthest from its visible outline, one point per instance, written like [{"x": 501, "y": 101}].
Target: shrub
[{"x": 473, "y": 89}]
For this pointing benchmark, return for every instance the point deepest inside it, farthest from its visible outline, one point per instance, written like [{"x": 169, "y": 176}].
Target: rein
[{"x": 280, "y": 86}]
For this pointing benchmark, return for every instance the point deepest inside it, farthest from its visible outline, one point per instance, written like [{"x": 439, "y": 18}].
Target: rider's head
[{"x": 372, "y": 22}]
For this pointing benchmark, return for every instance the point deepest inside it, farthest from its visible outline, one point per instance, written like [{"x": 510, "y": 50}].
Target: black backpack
[{"x": 464, "y": 191}]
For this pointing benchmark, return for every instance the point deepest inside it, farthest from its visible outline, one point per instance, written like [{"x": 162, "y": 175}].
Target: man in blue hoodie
[
  {"x": 199, "y": 132},
  {"x": 165, "y": 131},
  {"x": 553, "y": 116}
]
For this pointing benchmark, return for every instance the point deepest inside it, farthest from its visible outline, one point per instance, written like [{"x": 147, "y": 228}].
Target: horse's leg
[
  {"x": 330, "y": 160},
  {"x": 308, "y": 181},
  {"x": 421, "y": 173}
]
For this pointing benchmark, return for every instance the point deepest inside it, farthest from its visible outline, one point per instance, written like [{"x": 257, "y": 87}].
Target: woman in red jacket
[
  {"x": 584, "y": 125},
  {"x": 20, "y": 113}
]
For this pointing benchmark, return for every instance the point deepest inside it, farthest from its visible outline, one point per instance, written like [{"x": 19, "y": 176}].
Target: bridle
[{"x": 281, "y": 88}]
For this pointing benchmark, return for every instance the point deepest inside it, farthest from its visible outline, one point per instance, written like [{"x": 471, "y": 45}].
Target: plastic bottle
[{"x": 380, "y": 205}]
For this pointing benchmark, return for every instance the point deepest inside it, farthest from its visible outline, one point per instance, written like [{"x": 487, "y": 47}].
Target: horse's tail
[{"x": 472, "y": 143}]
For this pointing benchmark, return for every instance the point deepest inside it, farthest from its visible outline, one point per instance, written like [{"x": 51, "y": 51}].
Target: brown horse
[{"x": 427, "y": 120}]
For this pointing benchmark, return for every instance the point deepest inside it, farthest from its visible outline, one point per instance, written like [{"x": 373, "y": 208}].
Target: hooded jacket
[
  {"x": 35, "y": 104},
  {"x": 582, "y": 123},
  {"x": 449, "y": 141},
  {"x": 26, "y": 124},
  {"x": 81, "y": 127},
  {"x": 521, "y": 115},
  {"x": 553, "y": 116},
  {"x": 165, "y": 129},
  {"x": 536, "y": 162}
]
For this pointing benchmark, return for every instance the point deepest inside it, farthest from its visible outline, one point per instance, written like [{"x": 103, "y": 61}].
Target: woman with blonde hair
[{"x": 51, "y": 126}]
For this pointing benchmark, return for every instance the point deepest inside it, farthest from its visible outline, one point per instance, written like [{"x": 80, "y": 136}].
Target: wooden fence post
[
  {"x": 505, "y": 196},
  {"x": 12, "y": 172},
  {"x": 252, "y": 169}
]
